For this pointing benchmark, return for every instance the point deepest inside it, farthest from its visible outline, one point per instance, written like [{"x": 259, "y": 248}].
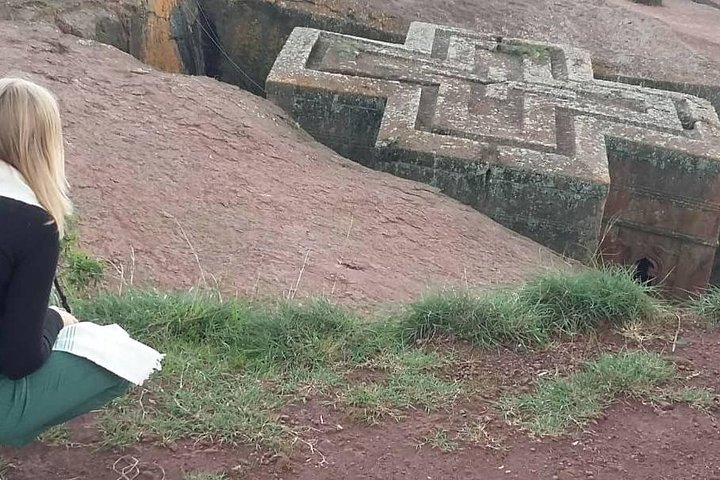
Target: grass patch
[
  {"x": 250, "y": 335},
  {"x": 440, "y": 439},
  {"x": 197, "y": 395},
  {"x": 539, "y": 53},
  {"x": 403, "y": 380},
  {"x": 477, "y": 434},
  {"x": 232, "y": 365},
  {"x": 78, "y": 272},
  {"x": 204, "y": 476},
  {"x": 553, "y": 305},
  {"x": 581, "y": 302},
  {"x": 707, "y": 305},
  {"x": 400, "y": 391},
  {"x": 56, "y": 436},
  {"x": 488, "y": 320},
  {"x": 695, "y": 397},
  {"x": 561, "y": 403}
]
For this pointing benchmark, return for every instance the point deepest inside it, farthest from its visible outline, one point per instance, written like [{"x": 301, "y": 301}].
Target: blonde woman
[{"x": 39, "y": 387}]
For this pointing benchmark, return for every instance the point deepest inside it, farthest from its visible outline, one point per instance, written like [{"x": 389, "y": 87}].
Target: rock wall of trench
[
  {"x": 167, "y": 35},
  {"x": 253, "y": 32}
]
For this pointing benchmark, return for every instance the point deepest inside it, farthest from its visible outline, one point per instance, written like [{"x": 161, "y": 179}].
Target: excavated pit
[
  {"x": 238, "y": 42},
  {"x": 241, "y": 42}
]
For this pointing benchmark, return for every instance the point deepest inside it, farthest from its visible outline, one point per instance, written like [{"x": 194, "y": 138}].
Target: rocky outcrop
[
  {"x": 236, "y": 42},
  {"x": 162, "y": 33},
  {"x": 166, "y": 35}
]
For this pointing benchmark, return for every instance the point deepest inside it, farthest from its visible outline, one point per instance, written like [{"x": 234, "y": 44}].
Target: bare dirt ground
[
  {"x": 632, "y": 441},
  {"x": 695, "y": 24}
]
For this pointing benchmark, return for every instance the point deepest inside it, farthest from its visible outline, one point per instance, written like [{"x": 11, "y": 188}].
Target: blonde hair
[{"x": 31, "y": 141}]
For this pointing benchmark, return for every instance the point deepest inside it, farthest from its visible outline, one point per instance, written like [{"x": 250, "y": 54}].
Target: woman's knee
[{"x": 65, "y": 388}]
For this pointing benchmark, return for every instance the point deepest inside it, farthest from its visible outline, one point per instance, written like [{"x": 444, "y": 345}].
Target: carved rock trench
[{"x": 237, "y": 41}]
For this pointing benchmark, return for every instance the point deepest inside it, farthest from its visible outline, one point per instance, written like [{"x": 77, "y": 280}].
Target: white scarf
[
  {"x": 14, "y": 186},
  {"x": 111, "y": 348}
]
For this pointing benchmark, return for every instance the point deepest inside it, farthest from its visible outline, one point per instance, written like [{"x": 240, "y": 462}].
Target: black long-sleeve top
[{"x": 29, "y": 251}]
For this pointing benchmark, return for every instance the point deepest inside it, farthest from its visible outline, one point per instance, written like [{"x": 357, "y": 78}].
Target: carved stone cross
[{"x": 521, "y": 131}]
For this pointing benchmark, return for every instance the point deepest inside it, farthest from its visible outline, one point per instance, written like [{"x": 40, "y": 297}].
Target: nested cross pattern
[
  {"x": 512, "y": 94},
  {"x": 522, "y": 131}
]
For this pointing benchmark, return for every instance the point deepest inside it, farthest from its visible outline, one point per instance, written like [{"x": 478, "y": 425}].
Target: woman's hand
[{"x": 67, "y": 318}]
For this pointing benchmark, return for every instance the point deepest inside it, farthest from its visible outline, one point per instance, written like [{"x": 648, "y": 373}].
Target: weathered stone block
[{"x": 521, "y": 131}]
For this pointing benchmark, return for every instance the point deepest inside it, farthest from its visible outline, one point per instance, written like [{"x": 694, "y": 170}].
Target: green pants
[{"x": 65, "y": 387}]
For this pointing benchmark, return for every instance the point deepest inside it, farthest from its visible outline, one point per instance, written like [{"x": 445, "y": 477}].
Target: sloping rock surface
[{"x": 182, "y": 178}]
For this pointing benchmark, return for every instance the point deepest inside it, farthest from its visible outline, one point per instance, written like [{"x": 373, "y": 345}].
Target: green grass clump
[
  {"x": 401, "y": 380},
  {"x": 477, "y": 434},
  {"x": 580, "y": 302},
  {"x": 695, "y": 397},
  {"x": 551, "y": 305},
  {"x": 231, "y": 365},
  {"x": 81, "y": 271},
  {"x": 403, "y": 390},
  {"x": 539, "y": 53},
  {"x": 249, "y": 334},
  {"x": 197, "y": 395},
  {"x": 440, "y": 439},
  {"x": 707, "y": 305},
  {"x": 318, "y": 333},
  {"x": 78, "y": 271},
  {"x": 488, "y": 320},
  {"x": 558, "y": 404},
  {"x": 56, "y": 436}
]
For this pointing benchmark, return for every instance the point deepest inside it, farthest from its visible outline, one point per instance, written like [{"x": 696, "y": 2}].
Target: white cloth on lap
[{"x": 112, "y": 348}]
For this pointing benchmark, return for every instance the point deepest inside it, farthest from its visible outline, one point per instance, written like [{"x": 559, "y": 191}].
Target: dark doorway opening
[{"x": 645, "y": 271}]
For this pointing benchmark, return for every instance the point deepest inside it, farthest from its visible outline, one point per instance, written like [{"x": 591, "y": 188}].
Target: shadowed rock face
[
  {"x": 252, "y": 33},
  {"x": 521, "y": 131}
]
